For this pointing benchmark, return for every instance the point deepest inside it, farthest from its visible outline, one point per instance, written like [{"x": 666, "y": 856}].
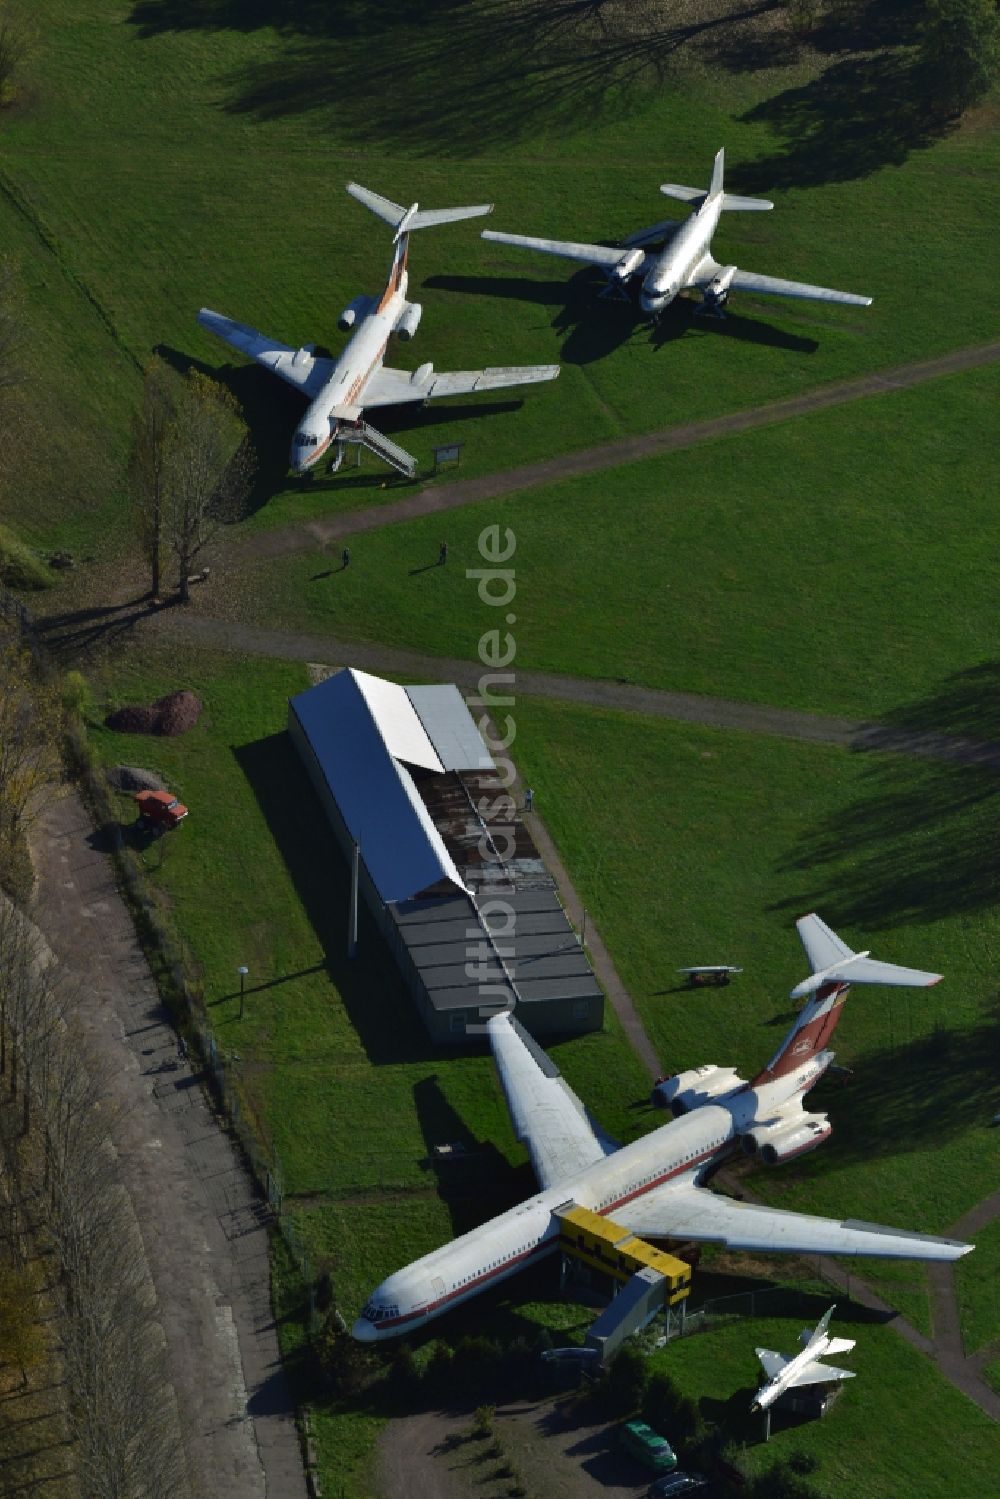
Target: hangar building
[{"x": 475, "y": 924}]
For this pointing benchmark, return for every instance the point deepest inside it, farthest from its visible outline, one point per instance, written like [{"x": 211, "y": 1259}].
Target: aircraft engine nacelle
[
  {"x": 774, "y": 1143},
  {"x": 696, "y": 1087},
  {"x": 629, "y": 264},
  {"x": 354, "y": 309},
  {"x": 409, "y": 322},
  {"x": 717, "y": 289}
]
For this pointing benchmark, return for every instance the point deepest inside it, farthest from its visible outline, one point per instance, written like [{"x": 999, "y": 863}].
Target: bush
[
  {"x": 960, "y": 51},
  {"x": 20, "y": 569},
  {"x": 625, "y": 1383},
  {"x": 803, "y": 1462},
  {"x": 482, "y": 1420}
]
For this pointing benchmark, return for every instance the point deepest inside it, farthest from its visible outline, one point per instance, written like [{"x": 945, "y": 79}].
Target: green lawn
[
  {"x": 978, "y": 1285},
  {"x": 237, "y": 129},
  {"x": 698, "y": 846},
  {"x": 832, "y": 563},
  {"x": 895, "y": 1430}
]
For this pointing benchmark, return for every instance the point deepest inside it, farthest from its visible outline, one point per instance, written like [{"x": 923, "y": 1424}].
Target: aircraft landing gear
[
  {"x": 713, "y": 305},
  {"x": 337, "y": 459}
]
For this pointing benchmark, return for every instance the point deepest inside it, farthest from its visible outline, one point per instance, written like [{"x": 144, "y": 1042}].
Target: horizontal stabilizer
[
  {"x": 693, "y": 195},
  {"x": 732, "y": 203},
  {"x": 413, "y": 217},
  {"x": 833, "y": 962},
  {"x": 840, "y": 1345}
]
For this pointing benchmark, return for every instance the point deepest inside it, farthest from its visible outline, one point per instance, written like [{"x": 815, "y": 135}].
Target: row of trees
[
  {"x": 190, "y": 468},
  {"x": 56, "y": 1120},
  {"x": 30, "y": 729}
]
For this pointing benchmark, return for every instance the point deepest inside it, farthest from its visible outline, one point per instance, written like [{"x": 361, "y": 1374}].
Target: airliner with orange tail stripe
[
  {"x": 657, "y": 1185},
  {"x": 339, "y": 390}
]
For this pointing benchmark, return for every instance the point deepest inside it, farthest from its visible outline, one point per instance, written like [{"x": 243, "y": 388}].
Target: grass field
[
  {"x": 235, "y": 126},
  {"x": 774, "y": 829},
  {"x": 856, "y": 585},
  {"x": 892, "y": 1431},
  {"x": 167, "y": 155},
  {"x": 978, "y": 1285}
]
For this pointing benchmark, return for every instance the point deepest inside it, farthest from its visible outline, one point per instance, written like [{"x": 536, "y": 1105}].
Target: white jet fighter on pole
[
  {"x": 803, "y": 1368},
  {"x": 685, "y": 259},
  {"x": 339, "y": 390},
  {"x": 657, "y": 1185}
]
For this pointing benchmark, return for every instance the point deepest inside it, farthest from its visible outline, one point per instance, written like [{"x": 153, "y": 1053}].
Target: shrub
[
  {"x": 625, "y": 1382},
  {"x": 482, "y": 1421}
]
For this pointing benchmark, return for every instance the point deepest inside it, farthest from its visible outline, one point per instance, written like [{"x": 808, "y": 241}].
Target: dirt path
[
  {"x": 307, "y": 535},
  {"x": 683, "y": 707},
  {"x": 203, "y": 1226}
]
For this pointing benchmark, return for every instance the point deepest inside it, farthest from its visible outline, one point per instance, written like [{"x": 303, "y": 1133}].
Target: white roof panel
[
  {"x": 450, "y": 727},
  {"x": 398, "y": 721},
  {"x": 402, "y": 849}
]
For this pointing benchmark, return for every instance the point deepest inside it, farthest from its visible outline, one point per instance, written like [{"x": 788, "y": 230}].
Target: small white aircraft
[
  {"x": 339, "y": 390},
  {"x": 656, "y": 1186},
  {"x": 685, "y": 259},
  {"x": 803, "y": 1368}
]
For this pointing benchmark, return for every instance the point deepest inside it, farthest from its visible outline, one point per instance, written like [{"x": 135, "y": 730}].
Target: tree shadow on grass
[
  {"x": 379, "y": 1007},
  {"x": 914, "y": 1095},
  {"x": 859, "y": 115},
  {"x": 922, "y": 840},
  {"x": 492, "y": 74}
]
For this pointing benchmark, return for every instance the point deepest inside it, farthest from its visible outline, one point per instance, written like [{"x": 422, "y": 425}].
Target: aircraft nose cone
[{"x": 363, "y": 1331}]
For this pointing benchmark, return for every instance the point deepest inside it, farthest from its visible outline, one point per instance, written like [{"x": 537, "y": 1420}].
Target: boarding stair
[{"x": 376, "y": 442}]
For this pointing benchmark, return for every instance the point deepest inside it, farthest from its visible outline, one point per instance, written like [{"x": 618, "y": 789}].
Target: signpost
[{"x": 452, "y": 453}]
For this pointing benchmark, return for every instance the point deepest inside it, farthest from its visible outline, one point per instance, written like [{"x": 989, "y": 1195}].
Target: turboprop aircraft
[
  {"x": 685, "y": 259},
  {"x": 339, "y": 390},
  {"x": 656, "y": 1187},
  {"x": 803, "y": 1368}
]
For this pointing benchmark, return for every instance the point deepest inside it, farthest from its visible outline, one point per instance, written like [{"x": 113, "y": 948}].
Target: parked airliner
[
  {"x": 656, "y": 1185},
  {"x": 685, "y": 259},
  {"x": 339, "y": 390}
]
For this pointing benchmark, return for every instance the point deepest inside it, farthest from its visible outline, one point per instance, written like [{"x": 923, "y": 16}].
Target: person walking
[
  {"x": 345, "y": 557},
  {"x": 442, "y": 554}
]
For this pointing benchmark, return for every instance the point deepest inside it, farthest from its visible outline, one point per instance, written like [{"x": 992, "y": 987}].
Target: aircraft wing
[
  {"x": 773, "y": 286},
  {"x": 689, "y": 1212},
  {"x": 568, "y": 249},
  {"x": 297, "y": 366},
  {"x": 545, "y": 1112},
  {"x": 772, "y": 1363},
  {"x": 819, "y": 1373},
  {"x": 389, "y": 387}
]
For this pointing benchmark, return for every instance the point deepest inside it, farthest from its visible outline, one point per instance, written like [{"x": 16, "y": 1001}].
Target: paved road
[
  {"x": 203, "y": 1226},
  {"x": 309, "y": 535}
]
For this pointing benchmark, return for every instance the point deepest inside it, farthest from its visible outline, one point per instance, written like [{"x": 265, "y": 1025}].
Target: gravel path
[
  {"x": 309, "y": 535},
  {"x": 684, "y": 707},
  {"x": 202, "y": 1222}
]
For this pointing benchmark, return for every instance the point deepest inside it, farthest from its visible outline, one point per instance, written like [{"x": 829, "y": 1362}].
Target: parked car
[
  {"x": 676, "y": 1483},
  {"x": 647, "y": 1446},
  {"x": 159, "y": 810}
]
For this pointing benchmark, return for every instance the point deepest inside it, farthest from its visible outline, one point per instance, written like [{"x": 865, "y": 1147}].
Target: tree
[
  {"x": 960, "y": 51},
  {"x": 207, "y": 469},
  {"x": 625, "y": 1382},
  {"x": 147, "y": 463},
  {"x": 13, "y": 50},
  {"x": 30, "y": 730}
]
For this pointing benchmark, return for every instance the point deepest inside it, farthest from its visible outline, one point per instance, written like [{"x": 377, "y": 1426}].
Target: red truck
[{"x": 159, "y": 810}]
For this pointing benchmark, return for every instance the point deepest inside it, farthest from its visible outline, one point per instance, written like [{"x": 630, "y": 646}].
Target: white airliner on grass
[
  {"x": 656, "y": 1185},
  {"x": 685, "y": 259},
  {"x": 803, "y": 1368},
  {"x": 339, "y": 390}
]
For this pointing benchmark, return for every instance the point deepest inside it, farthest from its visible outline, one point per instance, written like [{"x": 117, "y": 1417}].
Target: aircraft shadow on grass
[
  {"x": 476, "y": 1184},
  {"x": 272, "y": 411},
  {"x": 594, "y": 327},
  {"x": 922, "y": 840}
]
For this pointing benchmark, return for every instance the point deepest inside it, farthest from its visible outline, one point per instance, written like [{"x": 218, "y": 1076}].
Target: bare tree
[
  {"x": 208, "y": 468},
  {"x": 147, "y": 462}
]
